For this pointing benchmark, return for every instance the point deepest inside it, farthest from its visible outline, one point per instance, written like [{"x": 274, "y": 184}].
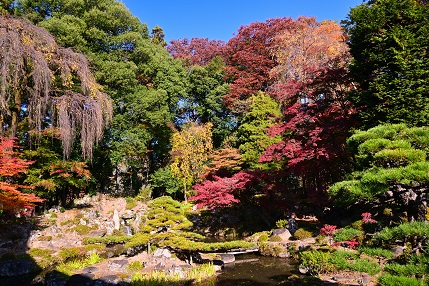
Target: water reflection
[{"x": 257, "y": 270}]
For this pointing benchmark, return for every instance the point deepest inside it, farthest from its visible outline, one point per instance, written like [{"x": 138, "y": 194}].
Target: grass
[
  {"x": 68, "y": 268},
  {"x": 201, "y": 275},
  {"x": 43, "y": 257}
]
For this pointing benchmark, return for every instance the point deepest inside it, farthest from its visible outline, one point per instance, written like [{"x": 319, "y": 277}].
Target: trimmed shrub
[{"x": 301, "y": 233}]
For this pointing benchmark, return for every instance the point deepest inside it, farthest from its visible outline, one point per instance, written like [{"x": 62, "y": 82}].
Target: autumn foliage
[{"x": 12, "y": 200}]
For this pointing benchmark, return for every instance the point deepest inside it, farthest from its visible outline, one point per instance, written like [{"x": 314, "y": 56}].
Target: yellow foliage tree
[{"x": 191, "y": 148}]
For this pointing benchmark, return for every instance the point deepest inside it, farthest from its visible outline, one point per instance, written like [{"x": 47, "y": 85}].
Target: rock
[
  {"x": 398, "y": 251},
  {"x": 107, "y": 280},
  {"x": 302, "y": 270},
  {"x": 81, "y": 280},
  {"x": 129, "y": 214},
  {"x": 137, "y": 221},
  {"x": 118, "y": 264},
  {"x": 283, "y": 233},
  {"x": 90, "y": 269},
  {"x": 176, "y": 270},
  {"x": 55, "y": 278},
  {"x": 82, "y": 221},
  {"x": 162, "y": 252},
  {"x": 10, "y": 268},
  {"x": 110, "y": 227},
  {"x": 116, "y": 221},
  {"x": 227, "y": 258}
]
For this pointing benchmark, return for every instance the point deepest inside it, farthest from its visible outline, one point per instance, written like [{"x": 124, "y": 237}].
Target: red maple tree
[
  {"x": 197, "y": 51},
  {"x": 249, "y": 60},
  {"x": 11, "y": 199}
]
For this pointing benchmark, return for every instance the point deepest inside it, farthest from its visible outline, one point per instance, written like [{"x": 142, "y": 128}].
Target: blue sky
[{"x": 220, "y": 19}]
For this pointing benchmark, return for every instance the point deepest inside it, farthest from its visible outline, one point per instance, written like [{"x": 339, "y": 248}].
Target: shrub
[
  {"x": 317, "y": 262},
  {"x": 263, "y": 238},
  {"x": 71, "y": 253},
  {"x": 282, "y": 223},
  {"x": 328, "y": 230},
  {"x": 81, "y": 229},
  {"x": 301, "y": 233},
  {"x": 275, "y": 238},
  {"x": 406, "y": 270},
  {"x": 269, "y": 249},
  {"x": 131, "y": 203},
  {"x": 364, "y": 265},
  {"x": 347, "y": 234},
  {"x": 390, "y": 280},
  {"x": 376, "y": 252},
  {"x": 135, "y": 266}
]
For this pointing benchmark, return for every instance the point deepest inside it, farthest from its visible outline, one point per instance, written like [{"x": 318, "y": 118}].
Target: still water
[{"x": 252, "y": 269}]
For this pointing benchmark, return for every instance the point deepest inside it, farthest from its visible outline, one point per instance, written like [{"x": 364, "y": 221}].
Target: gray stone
[
  {"x": 129, "y": 214},
  {"x": 90, "y": 269},
  {"x": 283, "y": 233},
  {"x": 118, "y": 264},
  {"x": 10, "y": 268},
  {"x": 227, "y": 258},
  {"x": 107, "y": 280},
  {"x": 398, "y": 251},
  {"x": 162, "y": 252},
  {"x": 81, "y": 280},
  {"x": 55, "y": 278},
  {"x": 116, "y": 221}
]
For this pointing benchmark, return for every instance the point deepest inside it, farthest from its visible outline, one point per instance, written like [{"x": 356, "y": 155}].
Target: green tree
[
  {"x": 157, "y": 36},
  {"x": 392, "y": 169},
  {"x": 389, "y": 42},
  {"x": 263, "y": 113},
  {"x": 204, "y": 102},
  {"x": 144, "y": 81}
]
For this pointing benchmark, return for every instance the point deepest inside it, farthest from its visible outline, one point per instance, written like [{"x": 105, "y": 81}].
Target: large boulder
[
  {"x": 283, "y": 233},
  {"x": 10, "y": 268}
]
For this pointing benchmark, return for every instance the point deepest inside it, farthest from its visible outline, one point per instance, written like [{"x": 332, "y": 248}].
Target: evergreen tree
[{"x": 389, "y": 41}]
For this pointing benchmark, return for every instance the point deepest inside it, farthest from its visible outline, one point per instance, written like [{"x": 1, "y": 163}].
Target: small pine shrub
[
  {"x": 269, "y": 249},
  {"x": 135, "y": 266},
  {"x": 391, "y": 280},
  {"x": 347, "y": 234},
  {"x": 376, "y": 252},
  {"x": 275, "y": 238},
  {"x": 81, "y": 229},
  {"x": 70, "y": 253},
  {"x": 281, "y": 223},
  {"x": 316, "y": 262},
  {"x": 263, "y": 238},
  {"x": 131, "y": 203},
  {"x": 301, "y": 233}
]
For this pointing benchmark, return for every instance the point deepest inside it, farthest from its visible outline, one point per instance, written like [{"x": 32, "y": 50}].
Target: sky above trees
[{"x": 219, "y": 20}]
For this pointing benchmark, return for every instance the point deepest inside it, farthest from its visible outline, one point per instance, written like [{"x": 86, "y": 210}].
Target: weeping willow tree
[{"x": 49, "y": 86}]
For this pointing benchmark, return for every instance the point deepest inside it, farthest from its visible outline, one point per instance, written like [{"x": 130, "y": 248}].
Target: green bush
[
  {"x": 275, "y": 238},
  {"x": 301, "y": 233},
  {"x": 71, "y": 253},
  {"x": 345, "y": 234},
  {"x": 81, "y": 229},
  {"x": 135, "y": 266},
  {"x": 281, "y": 223},
  {"x": 317, "y": 262},
  {"x": 263, "y": 237},
  {"x": 376, "y": 252},
  {"x": 364, "y": 265},
  {"x": 391, "y": 280},
  {"x": 406, "y": 269},
  {"x": 270, "y": 249}
]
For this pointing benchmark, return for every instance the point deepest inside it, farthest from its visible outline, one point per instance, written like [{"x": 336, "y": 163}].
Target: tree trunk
[{"x": 16, "y": 110}]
